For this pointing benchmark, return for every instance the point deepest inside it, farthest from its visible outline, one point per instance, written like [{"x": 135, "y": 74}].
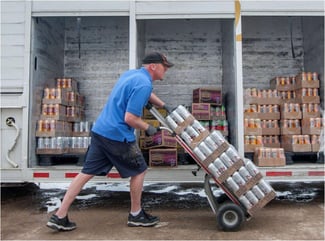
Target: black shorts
[{"x": 104, "y": 153}]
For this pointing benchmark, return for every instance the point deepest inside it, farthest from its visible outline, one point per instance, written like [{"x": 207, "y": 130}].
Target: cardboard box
[
  {"x": 303, "y": 82},
  {"x": 307, "y": 114},
  {"x": 274, "y": 84},
  {"x": 160, "y": 139},
  {"x": 271, "y": 131},
  {"x": 263, "y": 101},
  {"x": 295, "y": 143},
  {"x": 207, "y": 95},
  {"x": 291, "y": 115},
  {"x": 253, "y": 131},
  {"x": 202, "y": 111},
  {"x": 315, "y": 147},
  {"x": 296, "y": 147},
  {"x": 269, "y": 116},
  {"x": 309, "y": 126},
  {"x": 162, "y": 157},
  {"x": 53, "y": 128},
  {"x": 290, "y": 130},
  {"x": 251, "y": 147},
  {"x": 269, "y": 162},
  {"x": 67, "y": 83}
]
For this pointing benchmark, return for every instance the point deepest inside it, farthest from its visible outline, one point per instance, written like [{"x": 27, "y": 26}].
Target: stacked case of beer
[
  {"x": 61, "y": 128},
  {"x": 207, "y": 107},
  {"x": 261, "y": 119},
  {"x": 161, "y": 147},
  {"x": 240, "y": 176},
  {"x": 301, "y": 122}
]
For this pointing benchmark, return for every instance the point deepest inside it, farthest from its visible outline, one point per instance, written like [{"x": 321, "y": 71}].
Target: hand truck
[{"x": 229, "y": 209}]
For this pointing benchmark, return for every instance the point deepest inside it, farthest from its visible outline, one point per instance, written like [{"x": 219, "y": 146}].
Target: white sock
[{"x": 135, "y": 213}]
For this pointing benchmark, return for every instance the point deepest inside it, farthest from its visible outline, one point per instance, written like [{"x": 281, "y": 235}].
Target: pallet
[{"x": 51, "y": 160}]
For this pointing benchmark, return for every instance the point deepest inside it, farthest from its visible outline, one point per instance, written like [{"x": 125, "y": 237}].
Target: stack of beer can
[{"x": 208, "y": 146}]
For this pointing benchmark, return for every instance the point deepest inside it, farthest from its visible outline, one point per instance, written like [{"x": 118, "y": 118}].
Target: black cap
[{"x": 156, "y": 57}]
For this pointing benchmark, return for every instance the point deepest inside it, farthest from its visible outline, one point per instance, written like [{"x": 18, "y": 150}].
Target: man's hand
[
  {"x": 151, "y": 130},
  {"x": 168, "y": 108}
]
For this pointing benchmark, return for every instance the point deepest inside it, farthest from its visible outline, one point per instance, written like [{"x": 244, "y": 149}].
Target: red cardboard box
[{"x": 163, "y": 157}]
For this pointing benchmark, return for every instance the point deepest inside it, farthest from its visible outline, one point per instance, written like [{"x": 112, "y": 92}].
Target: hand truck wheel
[{"x": 230, "y": 216}]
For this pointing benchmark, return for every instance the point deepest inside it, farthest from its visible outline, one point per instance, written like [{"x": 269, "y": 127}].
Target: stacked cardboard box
[
  {"x": 161, "y": 147},
  {"x": 300, "y": 112},
  {"x": 207, "y": 107},
  {"x": 61, "y": 127},
  {"x": 261, "y": 117}
]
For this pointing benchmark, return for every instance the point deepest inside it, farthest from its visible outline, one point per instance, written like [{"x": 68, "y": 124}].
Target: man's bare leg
[{"x": 74, "y": 189}]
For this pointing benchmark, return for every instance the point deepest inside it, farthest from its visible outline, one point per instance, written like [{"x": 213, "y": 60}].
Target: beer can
[
  {"x": 217, "y": 137},
  {"x": 183, "y": 112},
  {"x": 199, "y": 153},
  {"x": 86, "y": 126},
  {"x": 243, "y": 200},
  {"x": 233, "y": 154},
  {"x": 251, "y": 168},
  {"x": 258, "y": 192},
  {"x": 214, "y": 171},
  {"x": 53, "y": 143},
  {"x": 205, "y": 149},
  {"x": 74, "y": 142},
  {"x": 238, "y": 179},
  {"x": 264, "y": 186},
  {"x": 82, "y": 126},
  {"x": 85, "y": 142},
  {"x": 186, "y": 137},
  {"x": 47, "y": 143},
  {"x": 192, "y": 133},
  {"x": 226, "y": 160},
  {"x": 76, "y": 127},
  {"x": 232, "y": 185},
  {"x": 40, "y": 143},
  {"x": 251, "y": 197},
  {"x": 219, "y": 165},
  {"x": 198, "y": 126},
  {"x": 171, "y": 123},
  {"x": 210, "y": 143},
  {"x": 80, "y": 142},
  {"x": 244, "y": 173},
  {"x": 59, "y": 142},
  {"x": 176, "y": 117}
]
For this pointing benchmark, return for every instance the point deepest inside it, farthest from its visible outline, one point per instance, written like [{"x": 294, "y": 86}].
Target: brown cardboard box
[
  {"x": 251, "y": 148},
  {"x": 290, "y": 130},
  {"x": 301, "y": 82},
  {"x": 266, "y": 160},
  {"x": 202, "y": 111},
  {"x": 296, "y": 147},
  {"x": 309, "y": 127},
  {"x": 291, "y": 115},
  {"x": 162, "y": 157},
  {"x": 271, "y": 131},
  {"x": 160, "y": 139},
  {"x": 269, "y": 116},
  {"x": 281, "y": 87},
  {"x": 207, "y": 95},
  {"x": 253, "y": 131}
]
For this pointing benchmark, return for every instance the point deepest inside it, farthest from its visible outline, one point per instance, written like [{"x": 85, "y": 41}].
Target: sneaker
[
  {"x": 61, "y": 224},
  {"x": 142, "y": 219}
]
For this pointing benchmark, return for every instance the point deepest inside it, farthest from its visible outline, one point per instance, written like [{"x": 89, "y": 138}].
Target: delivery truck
[{"x": 60, "y": 60}]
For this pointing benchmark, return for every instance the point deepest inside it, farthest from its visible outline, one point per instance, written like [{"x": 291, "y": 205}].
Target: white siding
[{"x": 12, "y": 45}]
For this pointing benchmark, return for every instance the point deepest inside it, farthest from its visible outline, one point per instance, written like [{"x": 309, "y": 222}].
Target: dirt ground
[{"x": 24, "y": 218}]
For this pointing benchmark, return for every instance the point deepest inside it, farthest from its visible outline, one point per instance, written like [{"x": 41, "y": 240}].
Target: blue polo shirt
[{"x": 130, "y": 94}]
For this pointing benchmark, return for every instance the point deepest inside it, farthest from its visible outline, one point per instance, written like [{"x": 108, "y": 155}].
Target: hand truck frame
[{"x": 230, "y": 213}]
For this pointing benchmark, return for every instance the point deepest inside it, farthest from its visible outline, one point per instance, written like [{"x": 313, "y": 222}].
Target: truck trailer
[{"x": 230, "y": 45}]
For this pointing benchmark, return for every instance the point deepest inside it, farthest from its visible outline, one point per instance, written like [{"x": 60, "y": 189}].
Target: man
[{"x": 113, "y": 142}]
